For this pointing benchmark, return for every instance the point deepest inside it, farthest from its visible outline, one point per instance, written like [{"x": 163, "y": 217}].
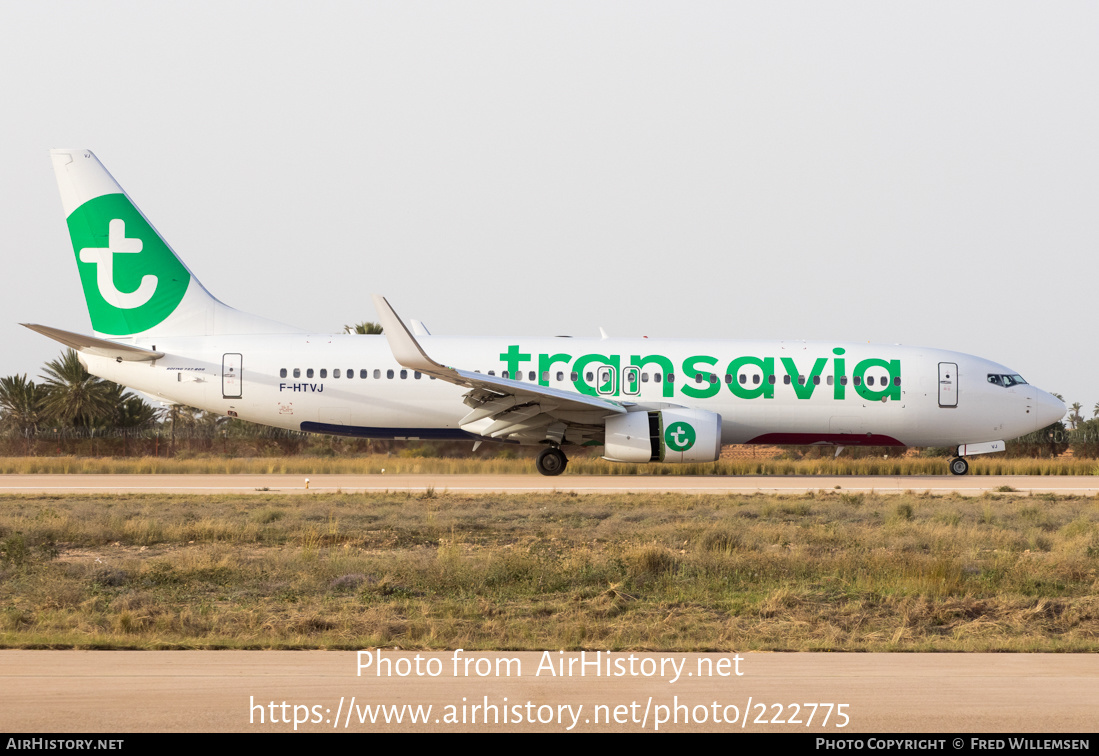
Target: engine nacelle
[{"x": 670, "y": 435}]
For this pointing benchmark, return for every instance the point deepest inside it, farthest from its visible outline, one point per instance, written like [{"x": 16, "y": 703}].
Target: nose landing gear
[
  {"x": 958, "y": 466},
  {"x": 551, "y": 461}
]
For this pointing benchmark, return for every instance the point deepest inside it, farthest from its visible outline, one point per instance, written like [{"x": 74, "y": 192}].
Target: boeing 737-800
[{"x": 158, "y": 330}]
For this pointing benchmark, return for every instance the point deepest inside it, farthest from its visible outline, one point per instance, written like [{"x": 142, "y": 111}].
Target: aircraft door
[
  {"x": 948, "y": 384},
  {"x": 231, "y": 378}
]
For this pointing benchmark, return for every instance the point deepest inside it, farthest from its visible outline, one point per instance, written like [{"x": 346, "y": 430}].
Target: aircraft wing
[
  {"x": 96, "y": 346},
  {"x": 503, "y": 408}
]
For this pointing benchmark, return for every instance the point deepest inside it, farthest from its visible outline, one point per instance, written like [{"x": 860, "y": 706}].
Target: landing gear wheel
[
  {"x": 551, "y": 462},
  {"x": 958, "y": 466}
]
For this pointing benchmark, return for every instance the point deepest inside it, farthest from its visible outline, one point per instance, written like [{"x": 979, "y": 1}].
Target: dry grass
[{"x": 827, "y": 571}]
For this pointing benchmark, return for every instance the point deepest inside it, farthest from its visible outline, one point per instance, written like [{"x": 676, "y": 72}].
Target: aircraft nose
[{"x": 1048, "y": 409}]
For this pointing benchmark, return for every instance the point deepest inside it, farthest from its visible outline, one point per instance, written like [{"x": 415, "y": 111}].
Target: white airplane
[{"x": 158, "y": 330}]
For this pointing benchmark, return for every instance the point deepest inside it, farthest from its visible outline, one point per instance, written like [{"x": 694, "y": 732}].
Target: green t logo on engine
[{"x": 679, "y": 436}]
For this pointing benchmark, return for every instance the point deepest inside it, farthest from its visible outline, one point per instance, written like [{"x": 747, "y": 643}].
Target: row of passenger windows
[
  {"x": 349, "y": 373},
  {"x": 589, "y": 376},
  {"x": 744, "y": 378}
]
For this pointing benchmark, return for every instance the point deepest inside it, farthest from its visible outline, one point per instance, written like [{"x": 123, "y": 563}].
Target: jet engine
[{"x": 668, "y": 435}]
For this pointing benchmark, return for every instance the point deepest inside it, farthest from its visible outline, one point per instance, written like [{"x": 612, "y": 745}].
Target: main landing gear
[
  {"x": 551, "y": 461},
  {"x": 958, "y": 466}
]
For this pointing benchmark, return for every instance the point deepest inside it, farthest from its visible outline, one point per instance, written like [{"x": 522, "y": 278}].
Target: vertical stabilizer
[{"x": 134, "y": 283}]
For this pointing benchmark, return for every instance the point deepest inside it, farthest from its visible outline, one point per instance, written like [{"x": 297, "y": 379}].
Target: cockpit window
[{"x": 1006, "y": 381}]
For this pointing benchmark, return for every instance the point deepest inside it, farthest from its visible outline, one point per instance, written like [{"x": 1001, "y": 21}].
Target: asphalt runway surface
[
  {"x": 266, "y": 691},
  {"x": 973, "y": 485}
]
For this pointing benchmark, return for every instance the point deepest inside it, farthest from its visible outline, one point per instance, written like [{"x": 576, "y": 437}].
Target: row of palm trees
[
  {"x": 1074, "y": 418},
  {"x": 69, "y": 397}
]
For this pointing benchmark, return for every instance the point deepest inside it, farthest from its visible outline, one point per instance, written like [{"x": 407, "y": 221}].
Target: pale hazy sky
[{"x": 924, "y": 173}]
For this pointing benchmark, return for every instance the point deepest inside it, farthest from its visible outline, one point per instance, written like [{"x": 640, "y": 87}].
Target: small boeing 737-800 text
[{"x": 158, "y": 330}]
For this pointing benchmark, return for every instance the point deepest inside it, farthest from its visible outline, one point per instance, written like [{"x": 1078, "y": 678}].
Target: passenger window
[
  {"x": 404, "y": 374},
  {"x": 869, "y": 380},
  {"x": 297, "y": 372},
  {"x": 363, "y": 373},
  {"x": 378, "y": 374},
  {"x": 786, "y": 379},
  {"x": 504, "y": 374},
  {"x": 545, "y": 376},
  {"x": 530, "y": 376},
  {"x": 416, "y": 375},
  {"x": 698, "y": 377},
  {"x": 324, "y": 372},
  {"x": 816, "y": 380},
  {"x": 843, "y": 380},
  {"x": 829, "y": 380},
  {"x": 389, "y": 374},
  {"x": 560, "y": 376},
  {"x": 309, "y": 373},
  {"x": 644, "y": 377},
  {"x": 588, "y": 376},
  {"x": 801, "y": 380},
  {"x": 897, "y": 381},
  {"x": 771, "y": 379},
  {"x": 858, "y": 381},
  {"x": 573, "y": 376},
  {"x": 658, "y": 377},
  {"x": 350, "y": 373},
  {"x": 335, "y": 373},
  {"x": 755, "y": 379},
  {"x": 671, "y": 377},
  {"x": 282, "y": 373},
  {"x": 743, "y": 379},
  {"x": 492, "y": 372}
]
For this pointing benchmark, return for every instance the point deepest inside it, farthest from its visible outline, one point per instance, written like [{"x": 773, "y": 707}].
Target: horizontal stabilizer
[{"x": 94, "y": 346}]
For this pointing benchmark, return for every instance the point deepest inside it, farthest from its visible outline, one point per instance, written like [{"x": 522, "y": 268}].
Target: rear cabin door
[
  {"x": 948, "y": 384},
  {"x": 231, "y": 379}
]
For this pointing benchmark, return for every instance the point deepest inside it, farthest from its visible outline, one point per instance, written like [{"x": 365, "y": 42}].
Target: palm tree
[
  {"x": 131, "y": 411},
  {"x": 1074, "y": 416},
  {"x": 367, "y": 328},
  {"x": 1095, "y": 410},
  {"x": 72, "y": 395},
  {"x": 20, "y": 403}
]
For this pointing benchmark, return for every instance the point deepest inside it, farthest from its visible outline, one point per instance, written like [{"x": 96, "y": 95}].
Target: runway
[
  {"x": 322, "y": 691},
  {"x": 968, "y": 485}
]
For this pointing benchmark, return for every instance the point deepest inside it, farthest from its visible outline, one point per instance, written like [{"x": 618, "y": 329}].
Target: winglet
[{"x": 402, "y": 343}]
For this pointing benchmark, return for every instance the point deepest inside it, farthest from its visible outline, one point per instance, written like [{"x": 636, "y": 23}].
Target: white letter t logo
[{"x": 103, "y": 257}]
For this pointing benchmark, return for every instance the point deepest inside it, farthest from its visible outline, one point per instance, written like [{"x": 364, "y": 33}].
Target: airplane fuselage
[{"x": 784, "y": 392}]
